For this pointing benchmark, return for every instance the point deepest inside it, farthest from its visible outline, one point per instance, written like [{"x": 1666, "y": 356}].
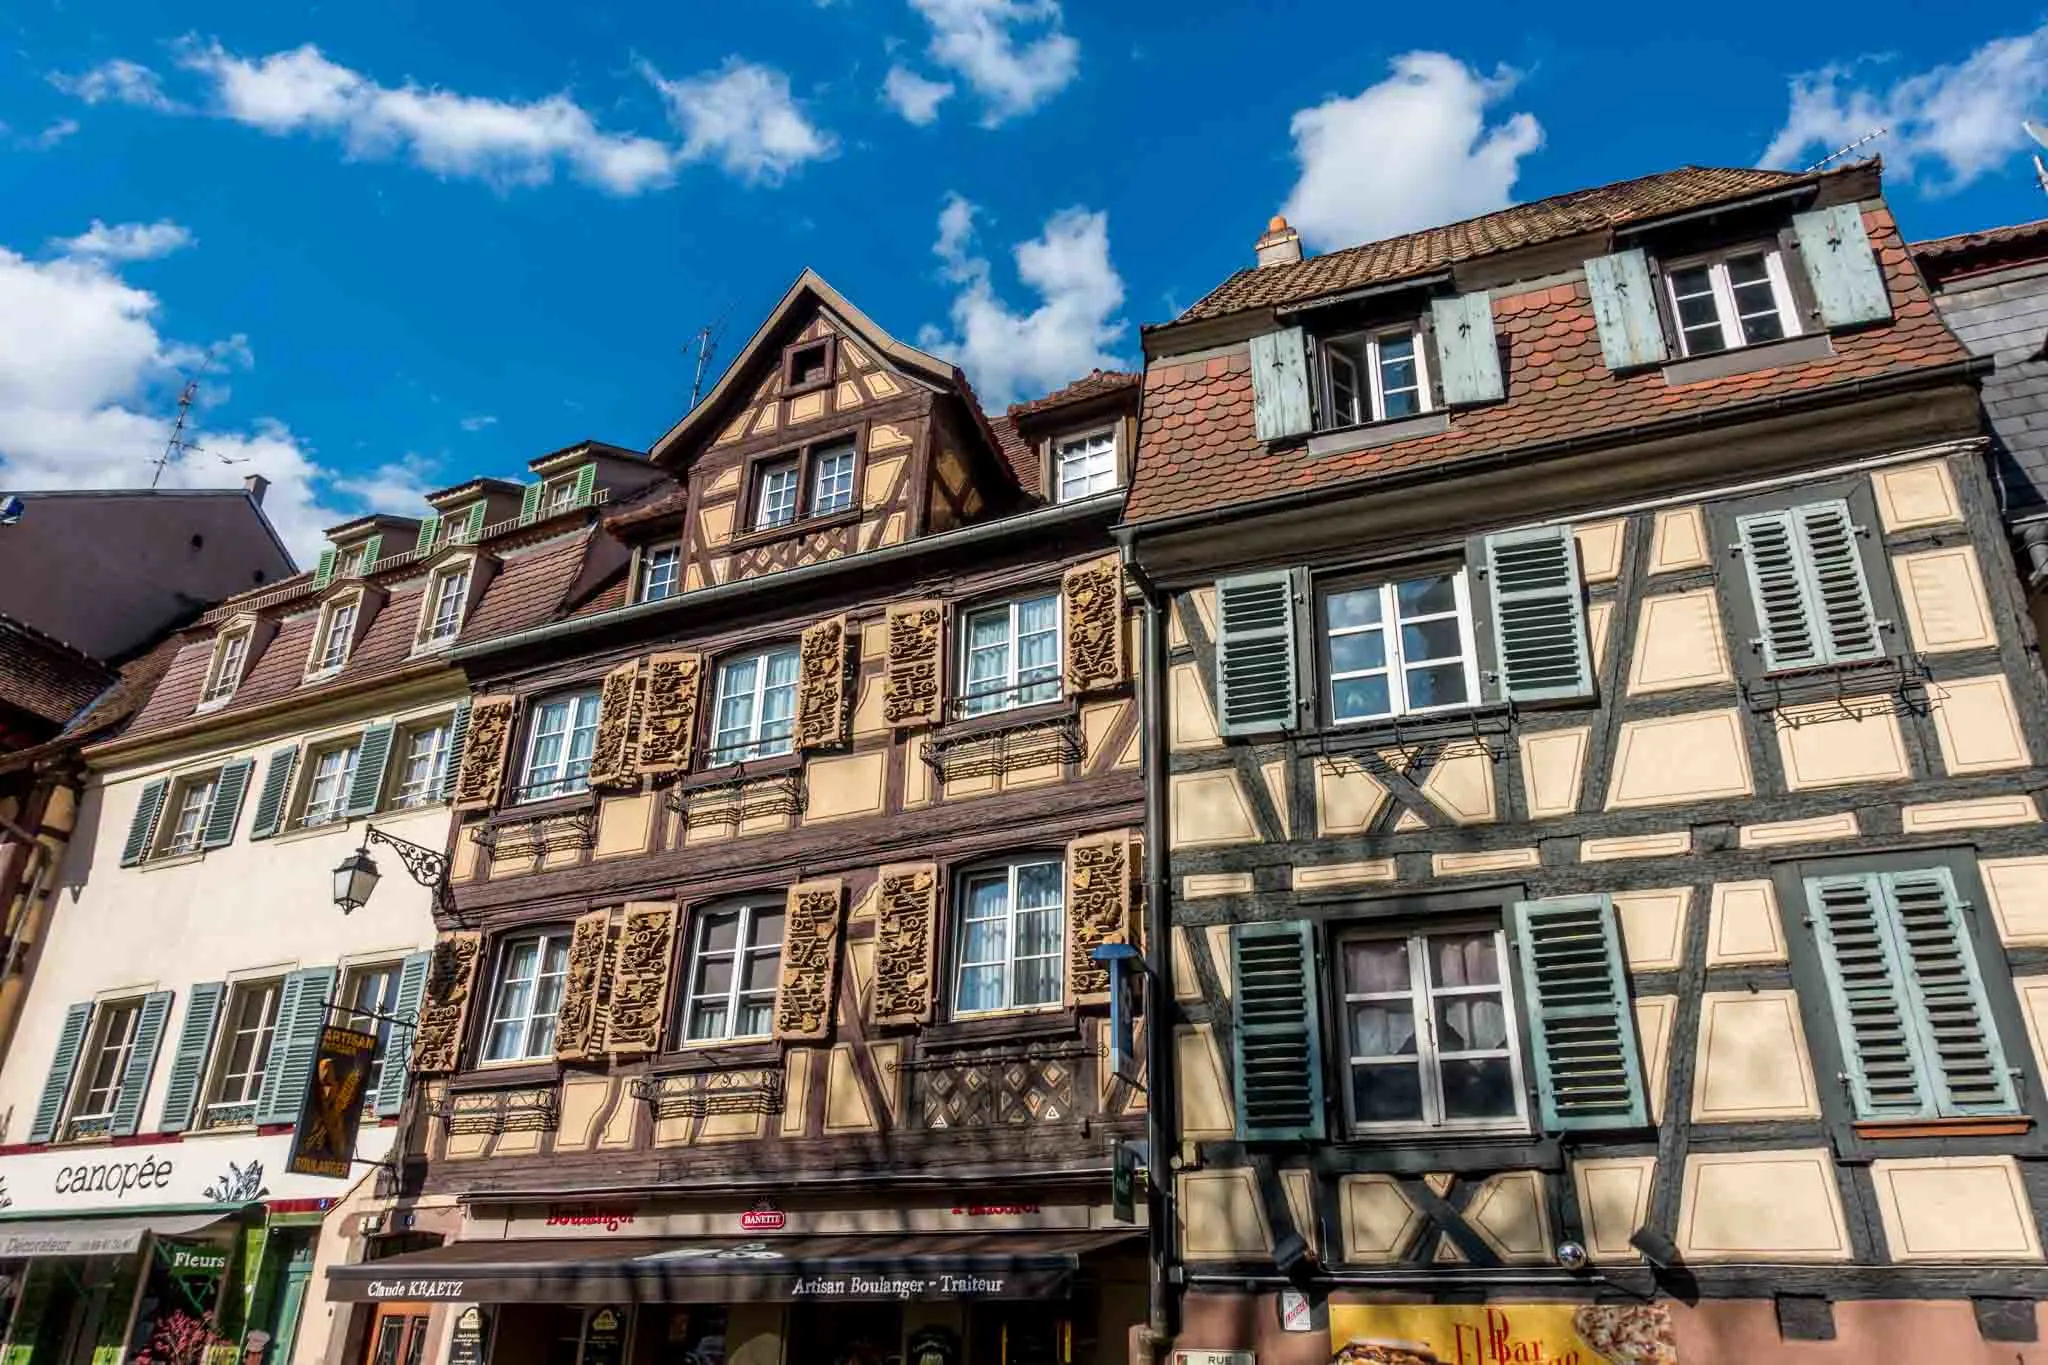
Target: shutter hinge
[
  {"x": 1806, "y": 920},
  {"x": 1860, "y": 529},
  {"x": 1735, "y": 547}
]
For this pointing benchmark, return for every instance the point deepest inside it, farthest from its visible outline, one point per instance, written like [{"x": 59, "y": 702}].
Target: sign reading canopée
[
  {"x": 1503, "y": 1334},
  {"x": 332, "y": 1109},
  {"x": 230, "y": 1169}
]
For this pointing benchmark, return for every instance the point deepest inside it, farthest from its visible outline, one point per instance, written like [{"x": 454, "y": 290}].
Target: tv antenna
[
  {"x": 2040, "y": 171},
  {"x": 1873, "y": 135},
  {"x": 706, "y": 342},
  {"x": 177, "y": 447}
]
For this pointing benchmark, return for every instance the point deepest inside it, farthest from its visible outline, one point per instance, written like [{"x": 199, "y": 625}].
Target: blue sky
[{"x": 400, "y": 245}]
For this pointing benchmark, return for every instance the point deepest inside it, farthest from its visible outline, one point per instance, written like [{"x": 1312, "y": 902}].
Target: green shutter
[
  {"x": 1588, "y": 1072},
  {"x": 288, "y": 1070},
  {"x": 586, "y": 484},
  {"x": 372, "y": 758},
  {"x": 1946, "y": 990},
  {"x": 1625, "y": 309},
  {"x": 372, "y": 548},
  {"x": 323, "y": 573},
  {"x": 142, "y": 828},
  {"x": 1847, "y": 282},
  {"x": 1806, "y": 580},
  {"x": 529, "y": 501},
  {"x": 1255, "y": 665},
  {"x": 277, "y": 780},
  {"x": 458, "y": 731},
  {"x": 1539, "y": 615},
  {"x": 233, "y": 783},
  {"x": 473, "y": 524},
  {"x": 149, "y": 1032},
  {"x": 188, "y": 1068},
  {"x": 1467, "y": 354},
  {"x": 430, "y": 531},
  {"x": 57, "y": 1084},
  {"x": 1280, "y": 400},
  {"x": 1849, "y": 627},
  {"x": 1277, "y": 1027},
  {"x": 412, "y": 981}
]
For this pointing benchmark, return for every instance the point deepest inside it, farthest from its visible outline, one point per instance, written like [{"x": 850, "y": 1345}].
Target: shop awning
[
  {"x": 97, "y": 1236},
  {"x": 995, "y": 1265}
]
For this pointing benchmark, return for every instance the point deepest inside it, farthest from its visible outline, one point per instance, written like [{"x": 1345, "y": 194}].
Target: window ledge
[
  {"x": 523, "y": 811},
  {"x": 720, "y": 1056},
  {"x": 507, "y": 1076},
  {"x": 1747, "y": 359},
  {"x": 212, "y": 704},
  {"x": 325, "y": 828},
  {"x": 1493, "y": 718},
  {"x": 1003, "y": 1026},
  {"x": 197, "y": 855},
  {"x": 428, "y": 648},
  {"x": 1344, "y": 440},
  {"x": 1986, "y": 1125},
  {"x": 324, "y": 675},
  {"x": 846, "y": 516},
  {"x": 990, "y": 722},
  {"x": 744, "y": 770}
]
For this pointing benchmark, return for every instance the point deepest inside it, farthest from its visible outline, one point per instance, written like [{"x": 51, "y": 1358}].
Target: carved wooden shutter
[
  {"x": 149, "y": 1033},
  {"x": 1587, "y": 1070},
  {"x": 578, "y": 1029},
  {"x": 485, "y": 749},
  {"x": 57, "y": 1081},
  {"x": 1280, "y": 401},
  {"x": 822, "y": 705},
  {"x": 1093, "y": 597},
  {"x": 1255, "y": 669},
  {"x": 451, "y": 981},
  {"x": 142, "y": 829},
  {"x": 810, "y": 961},
  {"x": 1278, "y": 1032},
  {"x": 640, "y": 974},
  {"x": 614, "y": 754},
  {"x": 668, "y": 712},
  {"x": 1467, "y": 353},
  {"x": 913, "y": 686},
  {"x": 188, "y": 1066},
  {"x": 906, "y": 942},
  {"x": 1847, "y": 282},
  {"x": 1099, "y": 904},
  {"x": 1539, "y": 615},
  {"x": 1625, "y": 309}
]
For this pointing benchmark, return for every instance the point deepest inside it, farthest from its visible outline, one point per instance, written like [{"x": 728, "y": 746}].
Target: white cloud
[
  {"x": 1013, "y": 53},
  {"x": 1008, "y": 354},
  {"x": 1412, "y": 151},
  {"x": 400, "y": 486},
  {"x": 127, "y": 241},
  {"x": 743, "y": 117},
  {"x": 479, "y": 422},
  {"x": 1961, "y": 120},
  {"x": 52, "y": 135},
  {"x": 912, "y": 96},
  {"x": 120, "y": 81}
]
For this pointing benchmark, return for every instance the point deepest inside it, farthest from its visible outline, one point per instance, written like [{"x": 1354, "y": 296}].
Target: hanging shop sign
[
  {"x": 1503, "y": 1334},
  {"x": 200, "y": 1169},
  {"x": 467, "y": 1341},
  {"x": 324, "y": 1141}
]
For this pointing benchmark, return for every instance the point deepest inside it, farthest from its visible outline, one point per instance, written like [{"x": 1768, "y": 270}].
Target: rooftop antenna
[
  {"x": 177, "y": 446},
  {"x": 706, "y": 342},
  {"x": 2040, "y": 171},
  {"x": 1873, "y": 135}
]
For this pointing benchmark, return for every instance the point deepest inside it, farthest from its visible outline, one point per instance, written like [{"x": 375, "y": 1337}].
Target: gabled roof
[
  {"x": 1968, "y": 253},
  {"x": 1095, "y": 384}
]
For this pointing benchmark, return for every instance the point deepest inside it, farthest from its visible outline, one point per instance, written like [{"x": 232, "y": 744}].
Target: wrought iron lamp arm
[{"x": 429, "y": 867}]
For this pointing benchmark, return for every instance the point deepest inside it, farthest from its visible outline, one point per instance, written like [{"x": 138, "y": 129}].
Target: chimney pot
[
  {"x": 1280, "y": 246},
  {"x": 257, "y": 485}
]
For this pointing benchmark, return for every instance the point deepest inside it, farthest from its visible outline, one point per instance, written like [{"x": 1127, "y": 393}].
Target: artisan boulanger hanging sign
[{"x": 324, "y": 1142}]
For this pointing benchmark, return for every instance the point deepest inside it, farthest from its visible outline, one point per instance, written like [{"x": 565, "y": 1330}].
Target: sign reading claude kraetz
[{"x": 332, "y": 1107}]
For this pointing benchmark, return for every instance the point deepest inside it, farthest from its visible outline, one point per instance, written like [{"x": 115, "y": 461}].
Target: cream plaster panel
[
  {"x": 880, "y": 480},
  {"x": 978, "y": 784},
  {"x": 1187, "y": 984},
  {"x": 467, "y": 850},
  {"x": 885, "y": 1058},
  {"x": 1694, "y": 757},
  {"x": 1833, "y": 744},
  {"x": 624, "y": 824},
  {"x": 582, "y": 1101},
  {"x": 886, "y": 436},
  {"x": 1599, "y": 616},
  {"x": 796, "y": 1083},
  {"x": 1813, "y": 831},
  {"x": 1653, "y": 927},
  {"x": 466, "y": 1146},
  {"x": 1656, "y": 1015},
  {"x": 1098, "y": 719},
  {"x": 892, "y": 530},
  {"x": 1275, "y": 775},
  {"x": 917, "y": 774},
  {"x": 1511, "y": 1214},
  {"x": 1600, "y": 549},
  {"x": 715, "y": 519},
  {"x": 1205, "y": 609},
  {"x": 1379, "y": 1222},
  {"x": 1667, "y": 844},
  {"x": 1210, "y": 808},
  {"x": 618, "y": 1134},
  {"x": 765, "y": 420},
  {"x": 880, "y": 384},
  {"x": 1915, "y": 495},
  {"x": 1348, "y": 798},
  {"x": 1761, "y": 1206},
  {"x": 1221, "y": 1218},
  {"x": 732, "y": 1127},
  {"x": 806, "y": 407},
  {"x": 1678, "y": 540},
  {"x": 846, "y": 1101},
  {"x": 1300, "y": 1186},
  {"x": 1955, "y": 1208},
  {"x": 2018, "y": 889},
  {"x": 1217, "y": 936},
  {"x": 1461, "y": 786},
  {"x": 1492, "y": 860},
  {"x": 846, "y": 395},
  {"x": 564, "y": 845},
  {"x": 726, "y": 481},
  {"x": 1408, "y": 822},
  {"x": 1553, "y": 762},
  {"x": 1941, "y": 593},
  {"x": 1342, "y": 874},
  {"x": 517, "y": 1142},
  {"x": 868, "y": 717},
  {"x": 1983, "y": 813},
  {"x": 1752, "y": 1061},
  {"x": 2033, "y": 994},
  {"x": 1978, "y": 725},
  {"x": 1200, "y": 885},
  {"x": 1679, "y": 644},
  {"x": 1743, "y": 925},
  {"x": 1205, "y": 1107},
  {"x": 1614, "y": 1200}
]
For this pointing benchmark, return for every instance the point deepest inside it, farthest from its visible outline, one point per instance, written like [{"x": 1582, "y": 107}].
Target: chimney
[
  {"x": 256, "y": 484},
  {"x": 1280, "y": 246}
]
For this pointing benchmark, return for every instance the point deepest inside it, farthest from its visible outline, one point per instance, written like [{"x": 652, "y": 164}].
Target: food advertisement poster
[{"x": 1502, "y": 1334}]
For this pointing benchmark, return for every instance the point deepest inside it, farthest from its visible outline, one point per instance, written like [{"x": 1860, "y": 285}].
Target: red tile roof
[
  {"x": 45, "y": 677},
  {"x": 1094, "y": 384},
  {"x": 1965, "y": 253}
]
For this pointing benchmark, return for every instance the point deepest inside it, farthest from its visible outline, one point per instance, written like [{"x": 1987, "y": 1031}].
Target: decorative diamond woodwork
[
  {"x": 810, "y": 961},
  {"x": 911, "y": 687},
  {"x": 1100, "y": 896},
  {"x": 906, "y": 938},
  {"x": 451, "y": 980},
  {"x": 481, "y": 780},
  {"x": 822, "y": 706},
  {"x": 640, "y": 975},
  {"x": 1095, "y": 634},
  {"x": 615, "y": 753},
  {"x": 579, "y": 1022},
  {"x": 668, "y": 712},
  {"x": 1011, "y": 1089}
]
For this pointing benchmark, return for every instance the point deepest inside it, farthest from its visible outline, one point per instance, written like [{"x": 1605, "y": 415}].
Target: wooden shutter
[
  {"x": 906, "y": 943},
  {"x": 579, "y": 1030},
  {"x": 57, "y": 1082},
  {"x": 301, "y": 1014},
  {"x": 1588, "y": 1072},
  {"x": 1625, "y": 309},
  {"x": 430, "y": 531},
  {"x": 1841, "y": 594},
  {"x": 473, "y": 524},
  {"x": 1280, "y": 384},
  {"x": 373, "y": 548},
  {"x": 823, "y": 706},
  {"x": 458, "y": 732},
  {"x": 272, "y": 800},
  {"x": 323, "y": 572},
  {"x": 1277, "y": 1033},
  {"x": 912, "y": 680},
  {"x": 1255, "y": 664},
  {"x": 586, "y": 484},
  {"x": 1946, "y": 991},
  {"x": 1806, "y": 581},
  {"x": 226, "y": 810},
  {"x": 1847, "y": 283},
  {"x": 1100, "y": 903},
  {"x": 451, "y": 982},
  {"x": 373, "y": 758},
  {"x": 1866, "y": 987},
  {"x": 412, "y": 985},
  {"x": 529, "y": 502},
  {"x": 1093, "y": 632},
  {"x": 668, "y": 712},
  {"x": 188, "y": 1066},
  {"x": 1467, "y": 354},
  {"x": 1539, "y": 614},
  {"x": 640, "y": 977},
  {"x": 486, "y": 746},
  {"x": 810, "y": 961},
  {"x": 149, "y": 1033},
  {"x": 142, "y": 828},
  {"x": 613, "y": 755}
]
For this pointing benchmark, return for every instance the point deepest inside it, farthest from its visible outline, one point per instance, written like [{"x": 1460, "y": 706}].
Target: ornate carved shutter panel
[
  {"x": 810, "y": 961},
  {"x": 913, "y": 686},
  {"x": 1467, "y": 355},
  {"x": 451, "y": 980},
  {"x": 822, "y": 705},
  {"x": 640, "y": 975},
  {"x": 668, "y": 712},
  {"x": 615, "y": 752},
  {"x": 1625, "y": 309},
  {"x": 1099, "y": 904},
  {"x": 1278, "y": 1033},
  {"x": 906, "y": 942},
  {"x": 1580, "y": 1019},
  {"x": 1846, "y": 280},
  {"x": 1093, "y": 597},
  {"x": 578, "y": 1028},
  {"x": 485, "y": 749},
  {"x": 1280, "y": 402}
]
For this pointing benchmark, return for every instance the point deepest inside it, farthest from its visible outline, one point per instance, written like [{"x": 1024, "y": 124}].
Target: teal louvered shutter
[
  {"x": 373, "y": 549},
  {"x": 1847, "y": 283},
  {"x": 529, "y": 502},
  {"x": 1256, "y": 677},
  {"x": 1779, "y": 589},
  {"x": 57, "y": 1084},
  {"x": 1588, "y": 1069},
  {"x": 323, "y": 573},
  {"x": 1806, "y": 581},
  {"x": 1280, "y": 401},
  {"x": 226, "y": 809},
  {"x": 149, "y": 1033},
  {"x": 270, "y": 803},
  {"x": 372, "y": 758},
  {"x": 412, "y": 982},
  {"x": 1625, "y": 309},
  {"x": 188, "y": 1067},
  {"x": 1849, "y": 628},
  {"x": 473, "y": 524},
  {"x": 142, "y": 828},
  {"x": 1277, "y": 1032},
  {"x": 458, "y": 731},
  {"x": 1467, "y": 355},
  {"x": 1946, "y": 992},
  {"x": 1881, "y": 1048},
  {"x": 1539, "y": 615},
  {"x": 301, "y": 1014},
  {"x": 586, "y": 484},
  {"x": 430, "y": 531}
]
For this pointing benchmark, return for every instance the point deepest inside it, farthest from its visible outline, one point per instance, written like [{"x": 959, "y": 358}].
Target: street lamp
[{"x": 356, "y": 878}]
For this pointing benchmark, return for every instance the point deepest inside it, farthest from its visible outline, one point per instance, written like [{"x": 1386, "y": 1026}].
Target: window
[
  {"x": 558, "y": 747},
  {"x": 775, "y": 498},
  {"x": 194, "y": 802},
  {"x": 369, "y": 992},
  {"x": 332, "y": 773},
  {"x": 808, "y": 367},
  {"x": 735, "y": 962},
  {"x": 1012, "y": 655},
  {"x": 532, "y": 969},
  {"x": 1012, "y": 937},
  {"x": 1429, "y": 1029},
  {"x": 105, "y": 1064},
  {"x": 561, "y": 495},
  {"x": 423, "y": 762},
  {"x": 1086, "y": 465},
  {"x": 1373, "y": 377},
  {"x": 354, "y": 562},
  {"x": 661, "y": 569},
  {"x": 1738, "y": 300},
  {"x": 337, "y": 628},
  {"x": 756, "y": 706},
  {"x": 832, "y": 479},
  {"x": 244, "y": 1050},
  {"x": 1399, "y": 648},
  {"x": 451, "y": 588},
  {"x": 1810, "y": 600},
  {"x": 227, "y": 667}
]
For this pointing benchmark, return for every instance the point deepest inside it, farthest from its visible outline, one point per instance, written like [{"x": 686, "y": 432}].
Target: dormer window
[
  {"x": 661, "y": 569},
  {"x": 1739, "y": 298},
  {"x": 229, "y": 654},
  {"x": 354, "y": 562},
  {"x": 775, "y": 499},
  {"x": 561, "y": 496},
  {"x": 817, "y": 481},
  {"x": 334, "y": 636},
  {"x": 1085, "y": 465},
  {"x": 445, "y": 598},
  {"x": 1373, "y": 377}
]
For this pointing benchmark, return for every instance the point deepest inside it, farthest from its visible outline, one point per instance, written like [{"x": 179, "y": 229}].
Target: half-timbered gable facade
[{"x": 1600, "y": 768}]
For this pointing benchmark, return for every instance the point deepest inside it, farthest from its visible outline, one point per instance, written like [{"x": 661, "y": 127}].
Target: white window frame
[
  {"x": 424, "y": 789},
  {"x": 530, "y": 1020},
  {"x": 830, "y": 452},
  {"x": 768, "y": 472},
  {"x": 991, "y": 701},
  {"x": 224, "y": 674},
  {"x": 316, "y": 810},
  {"x": 445, "y": 609},
  {"x": 579, "y": 717},
  {"x": 559, "y": 494},
  {"x": 669, "y": 571},
  {"x": 1397, "y": 664},
  {"x": 353, "y": 562},
  {"x": 1008, "y": 870},
  {"x": 1088, "y": 449},
  {"x": 177, "y": 838},
  {"x": 105, "y": 1015},
  {"x": 1725, "y": 307},
  {"x": 363, "y": 1014},
  {"x": 1369, "y": 388},
  {"x": 259, "y": 1056},
  {"x": 751, "y": 745},
  {"x": 1422, "y": 996},
  {"x": 331, "y": 647},
  {"x": 744, "y": 949}
]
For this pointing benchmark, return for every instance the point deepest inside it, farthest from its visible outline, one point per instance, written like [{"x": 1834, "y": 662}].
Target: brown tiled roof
[
  {"x": 1092, "y": 385},
  {"x": 1016, "y": 452},
  {"x": 1965, "y": 252},
  {"x": 662, "y": 498},
  {"x": 45, "y": 677},
  {"x": 1545, "y": 220},
  {"x": 528, "y": 590},
  {"x": 1198, "y": 448}
]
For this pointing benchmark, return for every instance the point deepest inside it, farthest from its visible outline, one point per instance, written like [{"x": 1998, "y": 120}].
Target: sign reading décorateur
[{"x": 324, "y": 1142}]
